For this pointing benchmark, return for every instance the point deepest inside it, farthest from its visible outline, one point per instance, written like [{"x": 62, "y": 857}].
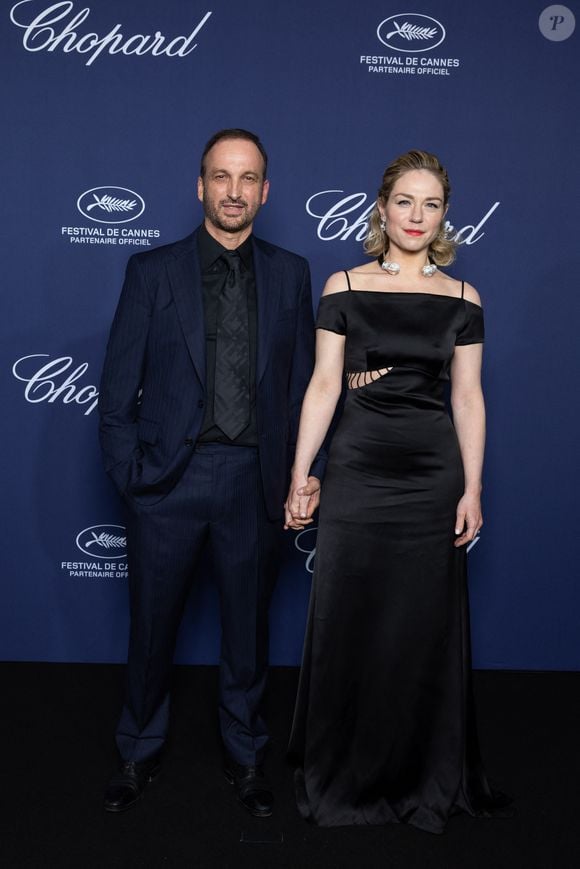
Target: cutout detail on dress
[{"x": 356, "y": 379}]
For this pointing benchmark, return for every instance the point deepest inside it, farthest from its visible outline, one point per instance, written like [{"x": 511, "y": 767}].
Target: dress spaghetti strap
[
  {"x": 347, "y": 279},
  {"x": 462, "y": 288}
]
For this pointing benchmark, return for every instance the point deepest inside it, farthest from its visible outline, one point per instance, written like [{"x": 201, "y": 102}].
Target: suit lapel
[
  {"x": 185, "y": 279},
  {"x": 268, "y": 289}
]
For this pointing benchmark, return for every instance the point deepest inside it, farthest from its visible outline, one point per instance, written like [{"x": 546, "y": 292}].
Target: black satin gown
[{"x": 383, "y": 728}]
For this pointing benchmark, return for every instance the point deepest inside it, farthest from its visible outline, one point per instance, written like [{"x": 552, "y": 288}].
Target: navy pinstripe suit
[{"x": 181, "y": 496}]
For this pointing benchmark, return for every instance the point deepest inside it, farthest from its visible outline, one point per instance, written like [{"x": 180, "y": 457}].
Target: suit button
[
  {"x": 188, "y": 442},
  {"x": 200, "y": 403}
]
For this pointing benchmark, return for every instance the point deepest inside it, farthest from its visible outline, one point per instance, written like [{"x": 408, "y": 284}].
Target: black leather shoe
[
  {"x": 128, "y": 784},
  {"x": 252, "y": 789}
]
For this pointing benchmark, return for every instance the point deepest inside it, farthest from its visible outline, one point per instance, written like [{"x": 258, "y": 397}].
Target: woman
[{"x": 384, "y": 728}]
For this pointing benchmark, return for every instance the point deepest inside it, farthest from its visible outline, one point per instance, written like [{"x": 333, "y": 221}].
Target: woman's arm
[
  {"x": 318, "y": 408},
  {"x": 469, "y": 418}
]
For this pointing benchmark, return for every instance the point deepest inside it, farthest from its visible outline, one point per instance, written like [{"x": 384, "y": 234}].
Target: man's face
[{"x": 233, "y": 187}]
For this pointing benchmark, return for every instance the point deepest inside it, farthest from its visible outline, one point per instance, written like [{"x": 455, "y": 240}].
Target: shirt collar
[{"x": 211, "y": 250}]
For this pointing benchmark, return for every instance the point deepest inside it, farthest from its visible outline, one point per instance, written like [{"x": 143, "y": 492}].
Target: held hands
[
  {"x": 468, "y": 520},
  {"x": 303, "y": 499}
]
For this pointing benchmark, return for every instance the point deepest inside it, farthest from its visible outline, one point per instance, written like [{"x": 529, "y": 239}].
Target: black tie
[{"x": 232, "y": 365}]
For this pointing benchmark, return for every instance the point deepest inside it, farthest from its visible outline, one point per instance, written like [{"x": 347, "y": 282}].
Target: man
[{"x": 208, "y": 358}]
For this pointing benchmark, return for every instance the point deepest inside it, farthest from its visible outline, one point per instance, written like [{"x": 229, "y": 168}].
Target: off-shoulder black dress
[{"x": 384, "y": 728}]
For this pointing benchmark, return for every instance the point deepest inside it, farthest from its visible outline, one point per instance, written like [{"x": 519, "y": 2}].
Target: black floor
[{"x": 57, "y": 729}]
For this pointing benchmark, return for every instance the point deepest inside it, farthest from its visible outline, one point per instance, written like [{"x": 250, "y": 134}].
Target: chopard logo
[
  {"x": 339, "y": 217},
  {"x": 305, "y": 541},
  {"x": 473, "y": 542},
  {"x": 411, "y": 32},
  {"x": 111, "y": 204},
  {"x": 40, "y": 34},
  {"x": 103, "y": 541},
  {"x": 42, "y": 382}
]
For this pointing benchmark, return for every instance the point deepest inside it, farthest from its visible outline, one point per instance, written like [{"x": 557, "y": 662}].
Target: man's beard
[{"x": 235, "y": 224}]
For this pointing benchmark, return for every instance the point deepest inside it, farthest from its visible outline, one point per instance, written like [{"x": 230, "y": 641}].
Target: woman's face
[{"x": 414, "y": 211}]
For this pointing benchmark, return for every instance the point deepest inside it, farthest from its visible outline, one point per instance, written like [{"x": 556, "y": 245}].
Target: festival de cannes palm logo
[
  {"x": 411, "y": 32},
  {"x": 111, "y": 204},
  {"x": 103, "y": 541}
]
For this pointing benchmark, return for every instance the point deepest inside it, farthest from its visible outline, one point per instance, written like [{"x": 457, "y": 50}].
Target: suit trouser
[{"x": 218, "y": 503}]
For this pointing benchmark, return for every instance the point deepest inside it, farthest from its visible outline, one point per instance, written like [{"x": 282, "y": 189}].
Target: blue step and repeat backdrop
[{"x": 106, "y": 109}]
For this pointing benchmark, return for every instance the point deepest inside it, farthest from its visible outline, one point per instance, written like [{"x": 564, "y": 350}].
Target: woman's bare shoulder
[
  {"x": 336, "y": 283},
  {"x": 471, "y": 294},
  {"x": 469, "y": 291}
]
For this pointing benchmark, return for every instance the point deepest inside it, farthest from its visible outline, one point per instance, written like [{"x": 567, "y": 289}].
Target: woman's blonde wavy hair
[{"x": 441, "y": 249}]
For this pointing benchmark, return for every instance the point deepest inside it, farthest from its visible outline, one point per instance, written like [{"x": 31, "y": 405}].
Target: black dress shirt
[{"x": 213, "y": 275}]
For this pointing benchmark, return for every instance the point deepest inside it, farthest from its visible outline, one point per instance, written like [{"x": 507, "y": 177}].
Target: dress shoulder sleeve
[
  {"x": 472, "y": 330},
  {"x": 331, "y": 313}
]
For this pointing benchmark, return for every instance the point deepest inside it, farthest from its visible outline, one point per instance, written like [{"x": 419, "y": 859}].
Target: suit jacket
[{"x": 152, "y": 392}]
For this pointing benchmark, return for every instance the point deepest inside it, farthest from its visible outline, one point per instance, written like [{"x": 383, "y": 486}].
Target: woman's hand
[
  {"x": 469, "y": 519},
  {"x": 303, "y": 499}
]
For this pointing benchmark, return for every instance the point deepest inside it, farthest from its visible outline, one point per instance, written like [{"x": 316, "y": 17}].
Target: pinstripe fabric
[
  {"x": 217, "y": 503},
  {"x": 156, "y": 350}
]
